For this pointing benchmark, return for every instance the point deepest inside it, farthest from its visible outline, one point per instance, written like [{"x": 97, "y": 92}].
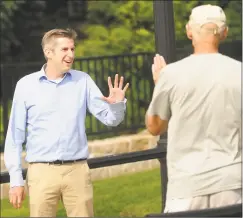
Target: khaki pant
[
  {"x": 215, "y": 200},
  {"x": 71, "y": 183}
]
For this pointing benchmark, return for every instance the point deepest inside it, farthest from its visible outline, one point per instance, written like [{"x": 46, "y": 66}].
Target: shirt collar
[{"x": 42, "y": 74}]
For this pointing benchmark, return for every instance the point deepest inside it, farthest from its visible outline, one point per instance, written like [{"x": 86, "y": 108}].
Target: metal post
[
  {"x": 165, "y": 46},
  {"x": 164, "y": 29}
]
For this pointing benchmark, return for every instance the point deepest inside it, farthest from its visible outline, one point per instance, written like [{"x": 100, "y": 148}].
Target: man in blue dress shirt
[{"x": 48, "y": 113}]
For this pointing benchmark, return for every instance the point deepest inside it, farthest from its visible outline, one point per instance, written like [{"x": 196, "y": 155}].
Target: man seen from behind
[{"x": 198, "y": 99}]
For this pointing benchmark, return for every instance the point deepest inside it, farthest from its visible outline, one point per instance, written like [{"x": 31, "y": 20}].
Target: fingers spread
[
  {"x": 126, "y": 87},
  {"x": 121, "y": 82},
  {"x": 116, "y": 81},
  {"x": 109, "y": 83}
]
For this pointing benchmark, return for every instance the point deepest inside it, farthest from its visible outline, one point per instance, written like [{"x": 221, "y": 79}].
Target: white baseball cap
[{"x": 203, "y": 14}]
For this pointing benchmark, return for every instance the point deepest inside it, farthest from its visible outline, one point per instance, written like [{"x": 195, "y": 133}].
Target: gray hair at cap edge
[{"x": 204, "y": 29}]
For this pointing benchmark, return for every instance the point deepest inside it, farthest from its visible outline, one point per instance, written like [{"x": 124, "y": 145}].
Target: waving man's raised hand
[
  {"x": 157, "y": 66},
  {"x": 117, "y": 93}
]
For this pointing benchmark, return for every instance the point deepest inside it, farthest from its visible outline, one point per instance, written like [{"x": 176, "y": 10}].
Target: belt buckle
[
  {"x": 61, "y": 162},
  {"x": 58, "y": 162}
]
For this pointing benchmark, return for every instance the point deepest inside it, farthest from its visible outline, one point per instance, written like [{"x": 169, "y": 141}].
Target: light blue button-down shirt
[{"x": 50, "y": 117}]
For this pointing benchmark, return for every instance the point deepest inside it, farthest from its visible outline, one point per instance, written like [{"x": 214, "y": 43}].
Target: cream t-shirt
[{"x": 200, "y": 95}]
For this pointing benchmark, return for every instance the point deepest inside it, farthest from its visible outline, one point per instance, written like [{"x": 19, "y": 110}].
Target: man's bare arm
[{"x": 155, "y": 125}]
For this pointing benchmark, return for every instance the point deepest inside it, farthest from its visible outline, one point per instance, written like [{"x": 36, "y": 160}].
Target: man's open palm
[{"x": 117, "y": 93}]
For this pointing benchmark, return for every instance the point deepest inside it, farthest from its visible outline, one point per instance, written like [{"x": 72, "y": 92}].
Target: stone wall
[{"x": 116, "y": 145}]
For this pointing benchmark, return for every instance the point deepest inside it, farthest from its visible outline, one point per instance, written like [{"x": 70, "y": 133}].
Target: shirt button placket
[{"x": 61, "y": 142}]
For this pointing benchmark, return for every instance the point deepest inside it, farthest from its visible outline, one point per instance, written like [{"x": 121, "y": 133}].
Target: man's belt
[{"x": 59, "y": 162}]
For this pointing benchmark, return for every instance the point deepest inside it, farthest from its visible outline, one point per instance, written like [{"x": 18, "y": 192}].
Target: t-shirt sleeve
[{"x": 160, "y": 103}]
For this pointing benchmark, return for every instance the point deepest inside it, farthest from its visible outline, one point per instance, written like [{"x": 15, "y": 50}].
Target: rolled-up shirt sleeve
[
  {"x": 108, "y": 114},
  {"x": 15, "y": 137},
  {"x": 160, "y": 104}
]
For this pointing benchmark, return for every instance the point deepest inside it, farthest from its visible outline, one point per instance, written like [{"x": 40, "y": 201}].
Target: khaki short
[{"x": 215, "y": 200}]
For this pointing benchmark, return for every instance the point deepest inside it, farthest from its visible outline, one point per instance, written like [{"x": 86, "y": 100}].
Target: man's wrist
[
  {"x": 155, "y": 81},
  {"x": 124, "y": 101},
  {"x": 119, "y": 106},
  {"x": 16, "y": 180}
]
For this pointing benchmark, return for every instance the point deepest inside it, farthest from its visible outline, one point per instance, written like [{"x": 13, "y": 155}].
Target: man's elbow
[
  {"x": 155, "y": 131},
  {"x": 115, "y": 122},
  {"x": 112, "y": 124},
  {"x": 156, "y": 126}
]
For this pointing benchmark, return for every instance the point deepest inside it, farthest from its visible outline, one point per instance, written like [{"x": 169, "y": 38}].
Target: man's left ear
[
  {"x": 188, "y": 32},
  {"x": 224, "y": 34},
  {"x": 48, "y": 53}
]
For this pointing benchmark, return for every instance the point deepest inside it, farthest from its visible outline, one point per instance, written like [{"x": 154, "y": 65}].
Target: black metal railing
[{"x": 109, "y": 160}]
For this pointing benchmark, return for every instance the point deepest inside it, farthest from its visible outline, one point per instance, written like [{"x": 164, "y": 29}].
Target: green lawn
[{"x": 131, "y": 195}]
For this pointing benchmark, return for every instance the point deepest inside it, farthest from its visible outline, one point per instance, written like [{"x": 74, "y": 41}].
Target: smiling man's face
[{"x": 62, "y": 53}]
